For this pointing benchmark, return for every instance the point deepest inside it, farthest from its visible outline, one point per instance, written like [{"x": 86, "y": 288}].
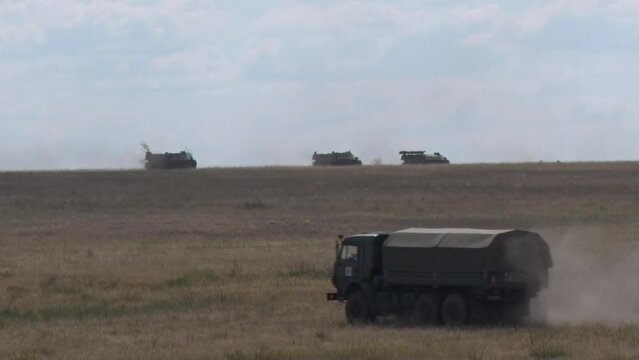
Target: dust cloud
[{"x": 595, "y": 279}]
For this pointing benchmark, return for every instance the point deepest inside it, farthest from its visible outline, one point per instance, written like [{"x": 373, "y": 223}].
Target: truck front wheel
[
  {"x": 358, "y": 309},
  {"x": 454, "y": 310},
  {"x": 426, "y": 310}
]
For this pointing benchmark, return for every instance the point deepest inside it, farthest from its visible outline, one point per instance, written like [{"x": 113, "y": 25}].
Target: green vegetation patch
[
  {"x": 104, "y": 310},
  {"x": 261, "y": 353},
  {"x": 548, "y": 352},
  {"x": 191, "y": 278},
  {"x": 254, "y": 205},
  {"x": 305, "y": 270}
]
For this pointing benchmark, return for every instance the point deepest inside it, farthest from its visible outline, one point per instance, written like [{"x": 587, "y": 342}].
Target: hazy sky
[{"x": 268, "y": 82}]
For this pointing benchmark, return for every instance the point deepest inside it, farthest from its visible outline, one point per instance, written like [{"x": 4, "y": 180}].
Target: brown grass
[{"x": 234, "y": 263}]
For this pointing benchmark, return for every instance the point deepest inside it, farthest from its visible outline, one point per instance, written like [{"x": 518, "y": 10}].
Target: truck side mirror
[{"x": 338, "y": 242}]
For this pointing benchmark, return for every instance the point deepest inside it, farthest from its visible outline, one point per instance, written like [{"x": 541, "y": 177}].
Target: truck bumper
[{"x": 333, "y": 297}]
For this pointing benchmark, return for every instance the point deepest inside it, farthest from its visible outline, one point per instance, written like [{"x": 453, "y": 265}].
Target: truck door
[{"x": 348, "y": 265}]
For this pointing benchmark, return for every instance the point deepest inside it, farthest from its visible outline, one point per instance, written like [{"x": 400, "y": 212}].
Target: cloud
[
  {"x": 268, "y": 83},
  {"x": 501, "y": 25}
]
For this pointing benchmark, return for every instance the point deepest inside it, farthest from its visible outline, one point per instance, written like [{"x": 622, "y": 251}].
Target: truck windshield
[{"x": 349, "y": 252}]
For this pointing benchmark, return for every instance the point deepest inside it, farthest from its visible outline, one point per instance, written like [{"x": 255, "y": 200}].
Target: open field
[{"x": 234, "y": 263}]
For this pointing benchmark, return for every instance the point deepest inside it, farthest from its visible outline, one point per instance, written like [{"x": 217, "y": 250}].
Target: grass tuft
[
  {"x": 476, "y": 355},
  {"x": 236, "y": 269},
  {"x": 191, "y": 278},
  {"x": 303, "y": 270},
  {"x": 261, "y": 353},
  {"x": 254, "y": 205},
  {"x": 548, "y": 352}
]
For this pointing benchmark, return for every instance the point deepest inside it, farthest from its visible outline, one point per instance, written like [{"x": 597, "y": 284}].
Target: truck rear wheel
[
  {"x": 426, "y": 310},
  {"x": 358, "y": 309},
  {"x": 454, "y": 310}
]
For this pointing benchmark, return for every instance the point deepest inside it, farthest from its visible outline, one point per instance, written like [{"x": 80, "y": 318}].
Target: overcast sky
[{"x": 261, "y": 82}]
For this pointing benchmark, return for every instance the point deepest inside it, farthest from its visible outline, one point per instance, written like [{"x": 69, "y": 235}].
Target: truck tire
[
  {"x": 454, "y": 310},
  {"x": 358, "y": 309},
  {"x": 426, "y": 310}
]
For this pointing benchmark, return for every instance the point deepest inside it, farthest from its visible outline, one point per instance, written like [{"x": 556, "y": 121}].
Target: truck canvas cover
[
  {"x": 453, "y": 256},
  {"x": 455, "y": 238}
]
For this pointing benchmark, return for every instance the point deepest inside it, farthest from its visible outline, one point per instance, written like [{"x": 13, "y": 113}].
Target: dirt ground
[{"x": 234, "y": 263}]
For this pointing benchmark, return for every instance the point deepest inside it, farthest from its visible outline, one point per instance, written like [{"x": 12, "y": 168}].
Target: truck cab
[{"x": 358, "y": 260}]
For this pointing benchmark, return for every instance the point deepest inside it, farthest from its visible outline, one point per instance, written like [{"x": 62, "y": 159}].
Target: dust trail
[{"x": 595, "y": 279}]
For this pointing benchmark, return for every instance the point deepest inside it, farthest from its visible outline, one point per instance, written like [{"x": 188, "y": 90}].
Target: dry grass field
[{"x": 234, "y": 263}]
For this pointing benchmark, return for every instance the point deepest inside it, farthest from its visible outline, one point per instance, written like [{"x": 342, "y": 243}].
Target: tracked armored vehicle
[
  {"x": 420, "y": 157},
  {"x": 450, "y": 276},
  {"x": 180, "y": 160},
  {"x": 336, "y": 158}
]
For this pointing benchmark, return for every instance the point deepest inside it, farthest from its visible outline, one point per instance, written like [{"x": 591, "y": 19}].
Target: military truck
[
  {"x": 432, "y": 276},
  {"x": 420, "y": 157},
  {"x": 336, "y": 158},
  {"x": 180, "y": 160}
]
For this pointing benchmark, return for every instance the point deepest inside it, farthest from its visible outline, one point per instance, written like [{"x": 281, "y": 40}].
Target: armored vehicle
[
  {"x": 180, "y": 160},
  {"x": 420, "y": 157},
  {"x": 450, "y": 276},
  {"x": 336, "y": 158}
]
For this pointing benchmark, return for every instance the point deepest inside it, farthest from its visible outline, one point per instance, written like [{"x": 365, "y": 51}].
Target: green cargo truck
[{"x": 450, "y": 276}]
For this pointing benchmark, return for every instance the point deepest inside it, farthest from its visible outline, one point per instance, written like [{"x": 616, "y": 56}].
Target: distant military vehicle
[
  {"x": 420, "y": 157},
  {"x": 180, "y": 160},
  {"x": 336, "y": 158},
  {"x": 428, "y": 276}
]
